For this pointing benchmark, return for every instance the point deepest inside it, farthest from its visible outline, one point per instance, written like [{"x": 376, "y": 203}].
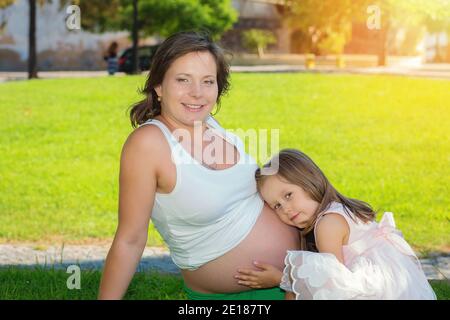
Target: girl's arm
[
  {"x": 267, "y": 277},
  {"x": 331, "y": 234}
]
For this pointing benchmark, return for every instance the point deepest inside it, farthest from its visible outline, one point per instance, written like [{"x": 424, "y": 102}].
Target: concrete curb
[
  {"x": 427, "y": 71},
  {"x": 92, "y": 257}
]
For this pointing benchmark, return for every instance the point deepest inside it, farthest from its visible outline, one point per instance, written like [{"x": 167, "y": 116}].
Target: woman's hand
[{"x": 268, "y": 276}]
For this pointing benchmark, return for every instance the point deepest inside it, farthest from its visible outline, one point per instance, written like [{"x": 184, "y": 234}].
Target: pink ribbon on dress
[{"x": 385, "y": 229}]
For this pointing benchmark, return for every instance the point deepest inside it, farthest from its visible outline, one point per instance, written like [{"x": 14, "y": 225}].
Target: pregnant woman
[{"x": 206, "y": 209}]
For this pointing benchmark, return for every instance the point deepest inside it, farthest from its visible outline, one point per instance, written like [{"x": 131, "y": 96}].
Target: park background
[{"x": 366, "y": 96}]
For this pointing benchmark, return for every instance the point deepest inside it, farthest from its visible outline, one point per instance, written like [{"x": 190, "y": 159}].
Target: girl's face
[
  {"x": 291, "y": 203},
  {"x": 189, "y": 88}
]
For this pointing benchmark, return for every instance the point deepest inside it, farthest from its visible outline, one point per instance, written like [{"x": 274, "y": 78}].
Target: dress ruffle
[
  {"x": 286, "y": 283},
  {"x": 320, "y": 276}
]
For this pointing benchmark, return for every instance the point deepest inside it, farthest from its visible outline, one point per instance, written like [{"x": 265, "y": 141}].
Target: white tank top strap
[
  {"x": 213, "y": 122},
  {"x": 170, "y": 138}
]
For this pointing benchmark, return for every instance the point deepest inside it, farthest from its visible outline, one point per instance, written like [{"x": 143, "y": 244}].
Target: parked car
[{"x": 145, "y": 54}]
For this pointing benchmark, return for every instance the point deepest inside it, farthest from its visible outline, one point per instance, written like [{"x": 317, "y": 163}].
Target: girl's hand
[{"x": 268, "y": 277}]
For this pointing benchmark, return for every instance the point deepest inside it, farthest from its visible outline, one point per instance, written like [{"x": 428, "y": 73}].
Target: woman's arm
[{"x": 137, "y": 187}]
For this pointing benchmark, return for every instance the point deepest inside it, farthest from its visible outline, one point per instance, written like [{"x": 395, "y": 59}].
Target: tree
[
  {"x": 437, "y": 20},
  {"x": 32, "y": 59},
  {"x": 326, "y": 23},
  {"x": 135, "y": 37},
  {"x": 155, "y": 17},
  {"x": 100, "y": 16},
  {"x": 402, "y": 13},
  {"x": 258, "y": 39},
  {"x": 167, "y": 17},
  {"x": 6, "y": 3},
  {"x": 32, "y": 56}
]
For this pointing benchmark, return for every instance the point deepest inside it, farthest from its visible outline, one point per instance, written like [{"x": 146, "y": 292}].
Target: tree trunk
[
  {"x": 32, "y": 63},
  {"x": 447, "y": 54},
  {"x": 260, "y": 51},
  {"x": 135, "y": 56},
  {"x": 384, "y": 39},
  {"x": 437, "y": 49},
  {"x": 383, "y": 52}
]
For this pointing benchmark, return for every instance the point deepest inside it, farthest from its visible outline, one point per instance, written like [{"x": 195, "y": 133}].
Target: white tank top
[{"x": 208, "y": 212}]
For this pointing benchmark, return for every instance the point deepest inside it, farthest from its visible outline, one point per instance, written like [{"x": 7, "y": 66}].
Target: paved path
[
  {"x": 438, "y": 71},
  {"x": 408, "y": 67},
  {"x": 88, "y": 257},
  {"x": 85, "y": 256},
  {"x": 17, "y": 75}
]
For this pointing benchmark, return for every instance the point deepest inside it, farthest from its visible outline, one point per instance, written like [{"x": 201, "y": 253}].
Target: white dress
[{"x": 378, "y": 264}]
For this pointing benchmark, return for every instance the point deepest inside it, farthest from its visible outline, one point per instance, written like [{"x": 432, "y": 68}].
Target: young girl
[{"x": 357, "y": 259}]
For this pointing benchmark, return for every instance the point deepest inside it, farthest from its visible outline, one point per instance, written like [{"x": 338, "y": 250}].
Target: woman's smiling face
[
  {"x": 189, "y": 89},
  {"x": 291, "y": 203}
]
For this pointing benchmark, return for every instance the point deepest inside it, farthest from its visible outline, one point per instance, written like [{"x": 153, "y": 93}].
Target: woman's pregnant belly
[{"x": 267, "y": 242}]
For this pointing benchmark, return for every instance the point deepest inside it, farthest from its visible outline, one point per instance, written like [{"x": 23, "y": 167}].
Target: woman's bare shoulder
[
  {"x": 146, "y": 135},
  {"x": 145, "y": 140}
]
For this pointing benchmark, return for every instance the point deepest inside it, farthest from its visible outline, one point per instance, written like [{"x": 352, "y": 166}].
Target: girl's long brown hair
[
  {"x": 297, "y": 168},
  {"x": 171, "y": 49}
]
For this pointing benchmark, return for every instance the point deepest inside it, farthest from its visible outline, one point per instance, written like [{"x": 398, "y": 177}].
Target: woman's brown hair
[
  {"x": 297, "y": 168},
  {"x": 112, "y": 49},
  {"x": 171, "y": 49}
]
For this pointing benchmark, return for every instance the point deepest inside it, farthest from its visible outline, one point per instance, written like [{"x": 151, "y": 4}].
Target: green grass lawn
[
  {"x": 43, "y": 284},
  {"x": 40, "y": 284},
  {"x": 381, "y": 139}
]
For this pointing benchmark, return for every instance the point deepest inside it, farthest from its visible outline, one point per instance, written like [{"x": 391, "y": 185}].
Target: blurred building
[
  {"x": 268, "y": 15},
  {"x": 58, "y": 48},
  {"x": 436, "y": 47},
  {"x": 258, "y": 14}
]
